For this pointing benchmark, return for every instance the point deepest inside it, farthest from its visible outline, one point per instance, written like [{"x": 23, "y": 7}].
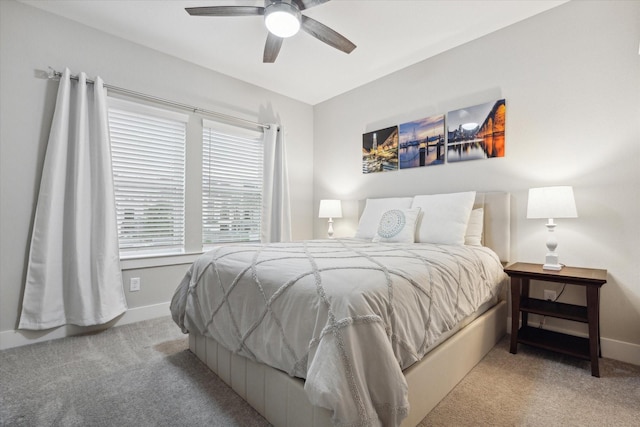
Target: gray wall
[
  {"x": 571, "y": 79},
  {"x": 31, "y": 39}
]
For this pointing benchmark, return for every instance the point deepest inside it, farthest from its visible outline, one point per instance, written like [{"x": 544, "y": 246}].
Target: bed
[{"x": 350, "y": 331}]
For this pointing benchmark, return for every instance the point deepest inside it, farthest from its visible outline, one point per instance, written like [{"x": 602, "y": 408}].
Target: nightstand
[{"x": 584, "y": 348}]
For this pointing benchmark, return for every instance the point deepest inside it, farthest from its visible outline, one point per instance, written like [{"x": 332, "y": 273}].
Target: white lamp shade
[
  {"x": 551, "y": 202},
  {"x": 330, "y": 209}
]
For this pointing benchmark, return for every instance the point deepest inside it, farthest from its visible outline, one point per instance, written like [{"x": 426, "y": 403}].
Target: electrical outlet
[
  {"x": 134, "y": 284},
  {"x": 550, "y": 295}
]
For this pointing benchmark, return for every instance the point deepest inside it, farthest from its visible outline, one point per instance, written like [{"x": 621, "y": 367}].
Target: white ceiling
[{"x": 390, "y": 35}]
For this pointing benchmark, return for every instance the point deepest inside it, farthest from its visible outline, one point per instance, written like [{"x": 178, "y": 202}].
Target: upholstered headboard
[{"x": 497, "y": 222}]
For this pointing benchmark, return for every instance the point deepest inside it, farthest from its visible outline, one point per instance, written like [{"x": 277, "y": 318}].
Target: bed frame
[{"x": 281, "y": 399}]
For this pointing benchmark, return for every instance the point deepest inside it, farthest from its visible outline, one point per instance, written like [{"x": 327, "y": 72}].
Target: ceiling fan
[{"x": 283, "y": 18}]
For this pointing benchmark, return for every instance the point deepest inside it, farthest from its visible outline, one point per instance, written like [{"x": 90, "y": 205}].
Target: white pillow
[
  {"x": 397, "y": 226},
  {"x": 473, "y": 237},
  {"x": 373, "y": 210},
  {"x": 444, "y": 217}
]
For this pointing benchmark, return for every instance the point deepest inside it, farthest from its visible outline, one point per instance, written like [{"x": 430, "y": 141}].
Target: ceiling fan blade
[
  {"x": 225, "y": 11},
  {"x": 271, "y": 48},
  {"x": 306, "y": 4},
  {"x": 327, "y": 35}
]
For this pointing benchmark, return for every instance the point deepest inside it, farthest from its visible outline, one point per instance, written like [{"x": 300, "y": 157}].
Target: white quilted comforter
[{"x": 346, "y": 315}]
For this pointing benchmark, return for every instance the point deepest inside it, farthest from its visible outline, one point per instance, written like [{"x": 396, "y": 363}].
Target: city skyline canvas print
[{"x": 476, "y": 132}]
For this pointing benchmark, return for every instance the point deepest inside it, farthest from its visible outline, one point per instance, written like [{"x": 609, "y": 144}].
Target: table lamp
[
  {"x": 551, "y": 203},
  {"x": 330, "y": 209}
]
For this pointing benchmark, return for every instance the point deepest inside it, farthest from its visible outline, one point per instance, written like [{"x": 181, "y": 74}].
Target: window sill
[{"x": 151, "y": 261}]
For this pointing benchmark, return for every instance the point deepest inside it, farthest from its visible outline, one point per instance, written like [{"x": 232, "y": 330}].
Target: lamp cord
[{"x": 564, "y": 285}]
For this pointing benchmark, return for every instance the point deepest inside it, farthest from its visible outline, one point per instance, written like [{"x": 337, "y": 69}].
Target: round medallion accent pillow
[{"x": 391, "y": 223}]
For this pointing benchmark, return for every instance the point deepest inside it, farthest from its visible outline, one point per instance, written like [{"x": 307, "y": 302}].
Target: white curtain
[
  {"x": 276, "y": 209},
  {"x": 73, "y": 275}
]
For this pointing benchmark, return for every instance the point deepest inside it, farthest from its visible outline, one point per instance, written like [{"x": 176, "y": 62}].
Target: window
[
  {"x": 148, "y": 154},
  {"x": 232, "y": 169}
]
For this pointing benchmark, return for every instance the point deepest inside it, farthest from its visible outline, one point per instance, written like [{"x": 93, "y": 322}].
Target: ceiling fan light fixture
[{"x": 282, "y": 19}]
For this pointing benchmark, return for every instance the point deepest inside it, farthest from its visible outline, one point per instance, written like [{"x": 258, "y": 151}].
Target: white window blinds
[
  {"x": 148, "y": 154},
  {"x": 232, "y": 168}
]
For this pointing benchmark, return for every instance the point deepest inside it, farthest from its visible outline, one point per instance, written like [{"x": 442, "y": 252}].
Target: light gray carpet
[
  {"x": 143, "y": 375},
  {"x": 134, "y": 375},
  {"x": 541, "y": 388}
]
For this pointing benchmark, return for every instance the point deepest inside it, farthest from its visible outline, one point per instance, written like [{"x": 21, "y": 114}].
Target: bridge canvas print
[
  {"x": 380, "y": 150},
  {"x": 422, "y": 142},
  {"x": 476, "y": 132}
]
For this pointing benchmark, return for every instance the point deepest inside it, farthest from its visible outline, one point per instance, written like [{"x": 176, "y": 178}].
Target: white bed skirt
[{"x": 282, "y": 401}]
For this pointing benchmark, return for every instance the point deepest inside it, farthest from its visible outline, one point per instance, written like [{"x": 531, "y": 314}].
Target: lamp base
[
  {"x": 330, "y": 231},
  {"x": 551, "y": 262}
]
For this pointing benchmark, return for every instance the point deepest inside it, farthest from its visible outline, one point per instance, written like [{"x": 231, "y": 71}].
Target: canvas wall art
[
  {"x": 380, "y": 150},
  {"x": 421, "y": 142},
  {"x": 476, "y": 132}
]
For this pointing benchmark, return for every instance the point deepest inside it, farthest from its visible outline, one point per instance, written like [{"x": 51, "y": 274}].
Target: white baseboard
[
  {"x": 612, "y": 349},
  {"x": 17, "y": 338},
  {"x": 146, "y": 312},
  {"x": 620, "y": 350}
]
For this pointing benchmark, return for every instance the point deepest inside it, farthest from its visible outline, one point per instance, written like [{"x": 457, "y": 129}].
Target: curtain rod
[{"x": 53, "y": 74}]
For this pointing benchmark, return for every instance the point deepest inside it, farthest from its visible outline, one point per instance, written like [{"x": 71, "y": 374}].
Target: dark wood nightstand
[{"x": 584, "y": 348}]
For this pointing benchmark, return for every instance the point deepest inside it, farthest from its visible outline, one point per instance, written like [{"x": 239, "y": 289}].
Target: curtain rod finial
[
  {"x": 53, "y": 74},
  {"x": 42, "y": 74}
]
